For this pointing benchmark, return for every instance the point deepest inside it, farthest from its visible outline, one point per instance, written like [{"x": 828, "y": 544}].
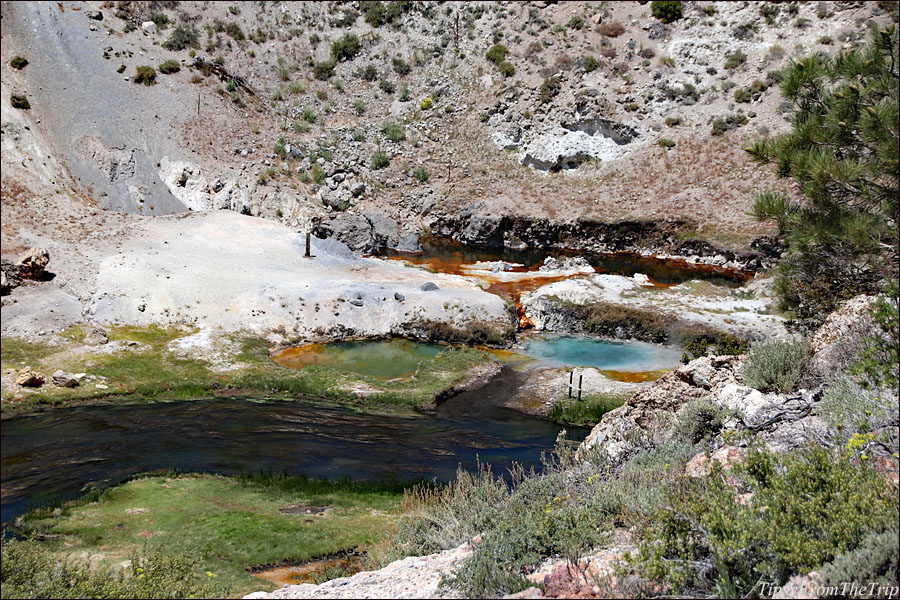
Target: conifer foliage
[{"x": 843, "y": 155}]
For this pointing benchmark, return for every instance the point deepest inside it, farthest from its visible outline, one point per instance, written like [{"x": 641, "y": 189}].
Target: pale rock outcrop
[
  {"x": 646, "y": 416},
  {"x": 563, "y": 149},
  {"x": 201, "y": 191},
  {"x": 410, "y": 577}
]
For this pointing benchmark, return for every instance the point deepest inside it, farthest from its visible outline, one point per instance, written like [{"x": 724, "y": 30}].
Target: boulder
[
  {"x": 29, "y": 378},
  {"x": 9, "y": 277},
  {"x": 429, "y": 286},
  {"x": 385, "y": 229},
  {"x": 149, "y": 27},
  {"x": 409, "y": 243},
  {"x": 94, "y": 15},
  {"x": 836, "y": 345},
  {"x": 62, "y": 379},
  {"x": 32, "y": 263},
  {"x": 482, "y": 230},
  {"x": 351, "y": 229}
]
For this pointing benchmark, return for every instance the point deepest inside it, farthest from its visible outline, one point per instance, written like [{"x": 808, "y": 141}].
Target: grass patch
[
  {"x": 143, "y": 369},
  {"x": 233, "y": 524},
  {"x": 588, "y": 411}
]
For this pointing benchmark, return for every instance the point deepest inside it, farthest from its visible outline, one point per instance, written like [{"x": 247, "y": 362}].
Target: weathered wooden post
[
  {"x": 571, "y": 374},
  {"x": 580, "y": 377},
  {"x": 307, "y": 255}
]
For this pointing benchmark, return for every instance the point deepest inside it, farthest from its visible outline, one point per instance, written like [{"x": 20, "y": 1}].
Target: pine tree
[{"x": 844, "y": 155}]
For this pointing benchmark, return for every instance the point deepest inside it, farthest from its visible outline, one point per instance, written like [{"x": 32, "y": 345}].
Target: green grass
[
  {"x": 151, "y": 372},
  {"x": 233, "y": 524},
  {"x": 588, "y": 411}
]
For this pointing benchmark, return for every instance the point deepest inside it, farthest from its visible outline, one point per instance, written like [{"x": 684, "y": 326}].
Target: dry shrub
[{"x": 611, "y": 29}]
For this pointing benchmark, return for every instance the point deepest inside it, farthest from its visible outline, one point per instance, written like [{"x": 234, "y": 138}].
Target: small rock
[
  {"x": 429, "y": 286},
  {"x": 399, "y": 297},
  {"x": 641, "y": 279},
  {"x": 96, "y": 15},
  {"x": 97, "y": 336},
  {"x": 28, "y": 378},
  {"x": 62, "y": 379},
  {"x": 149, "y": 27}
]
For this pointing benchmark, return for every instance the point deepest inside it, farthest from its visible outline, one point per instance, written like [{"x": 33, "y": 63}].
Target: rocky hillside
[{"x": 377, "y": 122}]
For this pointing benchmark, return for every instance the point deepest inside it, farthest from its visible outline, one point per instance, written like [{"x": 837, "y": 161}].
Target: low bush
[
  {"x": 507, "y": 69},
  {"x": 421, "y": 174},
  {"x": 722, "y": 125},
  {"x": 666, "y": 11},
  {"x": 170, "y": 66},
  {"x": 388, "y": 87},
  {"x": 723, "y": 344},
  {"x": 18, "y": 62},
  {"x": 807, "y": 509},
  {"x": 401, "y": 67},
  {"x": 183, "y": 36},
  {"x": 735, "y": 59},
  {"x": 590, "y": 64},
  {"x": 776, "y": 366},
  {"x": 742, "y": 95},
  {"x": 497, "y": 53},
  {"x": 394, "y": 132},
  {"x": 345, "y": 48},
  {"x": 874, "y": 561},
  {"x": 323, "y": 70},
  {"x": 699, "y": 422},
  {"x": 611, "y": 29},
  {"x": 850, "y": 408},
  {"x": 379, "y": 160},
  {"x": 666, "y": 143},
  {"x": 30, "y": 570},
  {"x": 19, "y": 101},
  {"x": 549, "y": 89},
  {"x": 426, "y": 103},
  {"x": 145, "y": 74},
  {"x": 374, "y": 13}
]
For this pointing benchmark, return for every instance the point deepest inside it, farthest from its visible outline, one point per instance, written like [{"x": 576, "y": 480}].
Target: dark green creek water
[{"x": 58, "y": 453}]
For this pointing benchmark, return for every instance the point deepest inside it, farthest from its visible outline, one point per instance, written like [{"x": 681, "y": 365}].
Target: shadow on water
[{"x": 55, "y": 455}]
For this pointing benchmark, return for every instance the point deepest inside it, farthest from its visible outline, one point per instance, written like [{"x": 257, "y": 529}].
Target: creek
[{"x": 62, "y": 453}]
